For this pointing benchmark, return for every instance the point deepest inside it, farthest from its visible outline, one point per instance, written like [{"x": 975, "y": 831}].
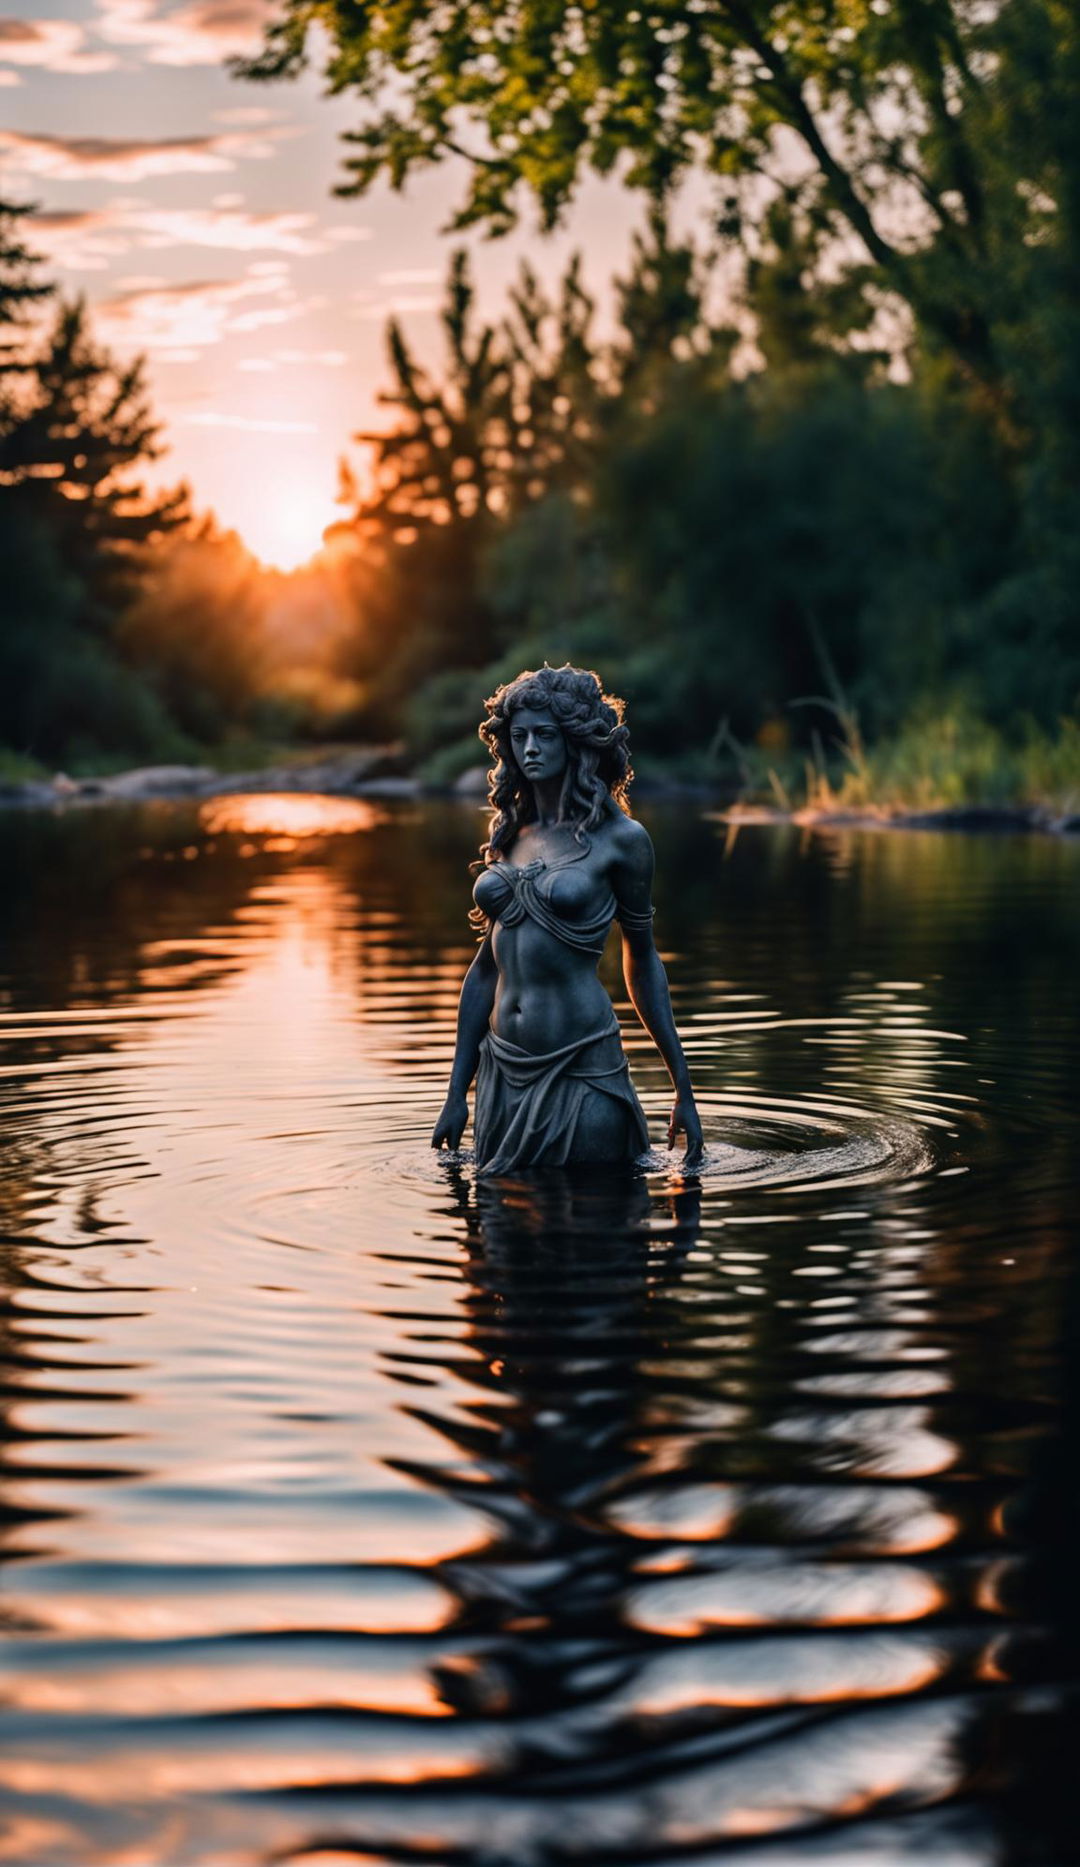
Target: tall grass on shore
[{"x": 937, "y": 761}]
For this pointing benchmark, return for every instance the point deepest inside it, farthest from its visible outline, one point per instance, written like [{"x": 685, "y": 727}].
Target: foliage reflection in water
[{"x": 356, "y": 1510}]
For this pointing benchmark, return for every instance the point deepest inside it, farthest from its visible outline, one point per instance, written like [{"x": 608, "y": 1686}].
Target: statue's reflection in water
[{"x": 564, "y": 1273}]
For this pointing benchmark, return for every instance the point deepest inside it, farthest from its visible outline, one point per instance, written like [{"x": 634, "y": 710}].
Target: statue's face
[{"x": 538, "y": 744}]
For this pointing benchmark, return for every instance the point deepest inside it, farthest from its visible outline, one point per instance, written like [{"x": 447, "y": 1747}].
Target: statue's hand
[
  {"x": 451, "y": 1123},
  {"x": 685, "y": 1118}
]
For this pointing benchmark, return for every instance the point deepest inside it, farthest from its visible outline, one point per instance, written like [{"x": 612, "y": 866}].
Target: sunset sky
[{"x": 195, "y": 212}]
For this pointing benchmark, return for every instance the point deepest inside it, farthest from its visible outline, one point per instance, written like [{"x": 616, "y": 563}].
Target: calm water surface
[{"x": 352, "y": 1512}]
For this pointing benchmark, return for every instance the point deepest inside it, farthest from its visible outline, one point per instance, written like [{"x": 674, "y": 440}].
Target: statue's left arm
[{"x": 646, "y": 980}]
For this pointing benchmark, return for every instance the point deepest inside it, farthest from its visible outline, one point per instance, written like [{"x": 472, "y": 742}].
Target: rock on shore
[{"x": 374, "y": 771}]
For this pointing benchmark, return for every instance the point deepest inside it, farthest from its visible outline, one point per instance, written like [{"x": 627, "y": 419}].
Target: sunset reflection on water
[
  {"x": 287, "y": 814},
  {"x": 349, "y": 1504}
]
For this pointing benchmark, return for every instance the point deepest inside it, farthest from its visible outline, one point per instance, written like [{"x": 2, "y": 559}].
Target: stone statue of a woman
[{"x": 563, "y": 860}]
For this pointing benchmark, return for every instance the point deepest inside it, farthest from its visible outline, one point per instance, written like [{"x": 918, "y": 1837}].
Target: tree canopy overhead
[{"x": 935, "y": 139}]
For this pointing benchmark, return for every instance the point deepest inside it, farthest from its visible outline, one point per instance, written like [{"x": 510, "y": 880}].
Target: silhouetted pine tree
[
  {"x": 84, "y": 429},
  {"x": 20, "y": 290},
  {"x": 75, "y": 524}
]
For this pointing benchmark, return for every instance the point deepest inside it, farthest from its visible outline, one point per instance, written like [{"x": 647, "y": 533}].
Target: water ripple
[{"x": 356, "y": 1509}]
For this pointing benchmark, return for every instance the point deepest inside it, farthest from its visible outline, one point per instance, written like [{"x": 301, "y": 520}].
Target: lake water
[{"x": 352, "y": 1513}]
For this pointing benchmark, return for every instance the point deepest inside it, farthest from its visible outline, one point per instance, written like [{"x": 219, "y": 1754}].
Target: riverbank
[
  {"x": 372, "y": 771},
  {"x": 971, "y": 817},
  {"x": 382, "y": 772}
]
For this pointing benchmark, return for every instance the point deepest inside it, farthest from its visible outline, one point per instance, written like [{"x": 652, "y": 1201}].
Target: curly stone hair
[{"x": 597, "y": 744}]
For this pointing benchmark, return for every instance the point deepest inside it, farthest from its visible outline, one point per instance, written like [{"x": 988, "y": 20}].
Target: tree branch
[
  {"x": 962, "y": 327},
  {"x": 802, "y": 119}
]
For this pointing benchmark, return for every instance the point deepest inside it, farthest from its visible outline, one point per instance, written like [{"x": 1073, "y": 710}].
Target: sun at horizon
[{"x": 283, "y": 524}]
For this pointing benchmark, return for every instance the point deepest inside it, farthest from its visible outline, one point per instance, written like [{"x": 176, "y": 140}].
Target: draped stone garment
[{"x": 527, "y": 1106}]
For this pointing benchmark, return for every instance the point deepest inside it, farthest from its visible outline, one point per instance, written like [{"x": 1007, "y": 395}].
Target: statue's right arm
[{"x": 474, "y": 1016}]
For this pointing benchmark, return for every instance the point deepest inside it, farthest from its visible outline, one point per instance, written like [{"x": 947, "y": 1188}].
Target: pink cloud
[
  {"x": 80, "y": 240},
  {"x": 127, "y": 158},
  {"x": 199, "y": 32},
  {"x": 51, "y": 45},
  {"x": 179, "y": 322},
  {"x": 85, "y": 240},
  {"x": 228, "y": 228},
  {"x": 186, "y": 317}
]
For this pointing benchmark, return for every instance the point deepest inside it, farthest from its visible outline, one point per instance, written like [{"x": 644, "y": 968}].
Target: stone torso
[{"x": 551, "y": 904}]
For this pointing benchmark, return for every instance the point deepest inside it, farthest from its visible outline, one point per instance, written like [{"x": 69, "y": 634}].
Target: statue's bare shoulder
[
  {"x": 630, "y": 855},
  {"x": 626, "y": 837}
]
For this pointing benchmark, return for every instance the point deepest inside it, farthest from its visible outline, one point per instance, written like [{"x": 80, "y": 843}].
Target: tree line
[
  {"x": 75, "y": 519},
  {"x": 751, "y": 522},
  {"x": 131, "y": 627},
  {"x": 817, "y": 477},
  {"x": 861, "y": 483}
]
